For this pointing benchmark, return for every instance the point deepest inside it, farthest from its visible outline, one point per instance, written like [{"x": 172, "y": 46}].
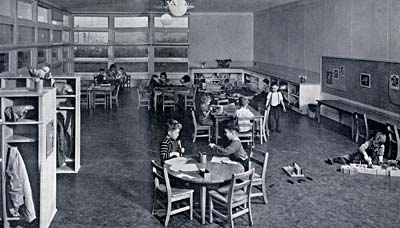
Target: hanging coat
[{"x": 18, "y": 187}]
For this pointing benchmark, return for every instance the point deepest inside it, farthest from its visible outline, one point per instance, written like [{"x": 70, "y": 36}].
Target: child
[
  {"x": 185, "y": 80},
  {"x": 370, "y": 152},
  {"x": 164, "y": 79},
  {"x": 205, "y": 111},
  {"x": 244, "y": 115},
  {"x": 153, "y": 83},
  {"x": 274, "y": 99},
  {"x": 235, "y": 150},
  {"x": 121, "y": 76},
  {"x": 170, "y": 147}
]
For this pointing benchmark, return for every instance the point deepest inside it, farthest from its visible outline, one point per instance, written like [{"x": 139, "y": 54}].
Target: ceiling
[{"x": 141, "y": 6}]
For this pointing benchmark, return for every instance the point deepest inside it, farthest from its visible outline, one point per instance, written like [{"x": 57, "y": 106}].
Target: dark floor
[{"x": 114, "y": 186}]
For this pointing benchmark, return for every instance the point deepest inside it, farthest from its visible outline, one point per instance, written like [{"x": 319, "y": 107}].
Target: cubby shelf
[
  {"x": 66, "y": 96},
  {"x": 65, "y": 108},
  {"x": 21, "y": 139},
  {"x": 22, "y": 122}
]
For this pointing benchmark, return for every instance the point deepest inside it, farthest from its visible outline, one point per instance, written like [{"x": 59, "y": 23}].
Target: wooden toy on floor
[
  {"x": 374, "y": 170},
  {"x": 294, "y": 171}
]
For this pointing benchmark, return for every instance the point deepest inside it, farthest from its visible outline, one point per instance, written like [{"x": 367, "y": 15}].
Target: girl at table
[
  {"x": 164, "y": 81},
  {"x": 205, "y": 111},
  {"x": 243, "y": 115},
  {"x": 170, "y": 146},
  {"x": 235, "y": 150}
]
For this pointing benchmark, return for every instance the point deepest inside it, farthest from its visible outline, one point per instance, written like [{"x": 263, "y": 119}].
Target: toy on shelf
[{"x": 294, "y": 171}]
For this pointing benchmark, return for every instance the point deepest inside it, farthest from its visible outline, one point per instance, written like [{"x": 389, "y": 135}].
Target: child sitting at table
[
  {"x": 205, "y": 111},
  {"x": 121, "y": 76},
  {"x": 164, "y": 81},
  {"x": 244, "y": 115},
  {"x": 170, "y": 147},
  {"x": 370, "y": 152},
  {"x": 235, "y": 149}
]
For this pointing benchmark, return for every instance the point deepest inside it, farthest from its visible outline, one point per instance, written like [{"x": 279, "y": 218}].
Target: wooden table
[
  {"x": 219, "y": 173},
  {"x": 177, "y": 89},
  {"x": 107, "y": 89},
  {"x": 350, "y": 108},
  {"x": 229, "y": 113}
]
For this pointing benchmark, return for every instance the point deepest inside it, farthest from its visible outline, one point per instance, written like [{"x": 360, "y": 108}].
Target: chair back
[
  {"x": 223, "y": 101},
  {"x": 194, "y": 119},
  {"x": 245, "y": 123},
  {"x": 241, "y": 182},
  {"x": 393, "y": 142},
  {"x": 361, "y": 125},
  {"x": 116, "y": 91},
  {"x": 260, "y": 162},
  {"x": 161, "y": 177},
  {"x": 266, "y": 118}
]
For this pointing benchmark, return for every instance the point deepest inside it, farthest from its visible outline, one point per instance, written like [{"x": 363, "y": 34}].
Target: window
[
  {"x": 130, "y": 52},
  {"x": 24, "y": 10},
  {"x": 65, "y": 36},
  {"x": 133, "y": 66},
  {"x": 89, "y": 66},
  {"x": 170, "y": 67},
  {"x": 130, "y": 37},
  {"x": 65, "y": 52},
  {"x": 54, "y": 55},
  {"x": 91, "y": 22},
  {"x": 4, "y": 62},
  {"x": 24, "y": 59},
  {"x": 26, "y": 35},
  {"x": 171, "y": 37},
  {"x": 56, "y": 17},
  {"x": 66, "y": 20},
  {"x": 131, "y": 22},
  {"x": 91, "y": 37},
  {"x": 57, "y": 36},
  {"x": 6, "y": 34},
  {"x": 41, "y": 56},
  {"x": 91, "y": 52},
  {"x": 43, "y": 35},
  {"x": 5, "y": 8},
  {"x": 43, "y": 15},
  {"x": 177, "y": 22},
  {"x": 65, "y": 67},
  {"x": 171, "y": 52}
]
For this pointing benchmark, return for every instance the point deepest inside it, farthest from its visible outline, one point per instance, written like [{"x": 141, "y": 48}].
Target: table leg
[
  {"x": 155, "y": 102},
  {"x": 110, "y": 100},
  {"x": 203, "y": 195},
  {"x": 216, "y": 131},
  {"x": 91, "y": 100},
  {"x": 319, "y": 113}
]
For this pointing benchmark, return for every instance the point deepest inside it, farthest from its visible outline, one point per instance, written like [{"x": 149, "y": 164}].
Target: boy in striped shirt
[{"x": 170, "y": 147}]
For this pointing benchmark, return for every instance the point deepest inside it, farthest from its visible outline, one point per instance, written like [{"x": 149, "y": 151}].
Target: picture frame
[
  {"x": 336, "y": 73},
  {"x": 341, "y": 70},
  {"x": 394, "y": 82},
  {"x": 365, "y": 80},
  {"x": 329, "y": 77}
]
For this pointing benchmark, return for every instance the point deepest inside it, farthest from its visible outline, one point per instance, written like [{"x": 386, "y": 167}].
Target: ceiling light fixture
[
  {"x": 178, "y": 8},
  {"x": 166, "y": 19}
]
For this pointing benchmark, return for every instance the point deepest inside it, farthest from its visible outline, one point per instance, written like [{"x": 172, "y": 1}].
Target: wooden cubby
[
  {"x": 69, "y": 106},
  {"x": 35, "y": 138}
]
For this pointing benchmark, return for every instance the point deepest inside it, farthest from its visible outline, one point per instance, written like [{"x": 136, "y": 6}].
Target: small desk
[
  {"x": 177, "y": 89},
  {"x": 219, "y": 173},
  {"x": 347, "y": 107},
  {"x": 107, "y": 89}
]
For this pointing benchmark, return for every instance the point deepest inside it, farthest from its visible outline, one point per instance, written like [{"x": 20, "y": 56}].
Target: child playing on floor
[
  {"x": 274, "y": 99},
  {"x": 244, "y": 115},
  {"x": 170, "y": 147},
  {"x": 370, "y": 152},
  {"x": 235, "y": 150}
]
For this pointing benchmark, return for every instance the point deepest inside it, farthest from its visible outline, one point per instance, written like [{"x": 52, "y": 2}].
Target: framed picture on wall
[
  {"x": 394, "y": 82},
  {"x": 336, "y": 73},
  {"x": 341, "y": 71},
  {"x": 365, "y": 80},
  {"x": 329, "y": 77}
]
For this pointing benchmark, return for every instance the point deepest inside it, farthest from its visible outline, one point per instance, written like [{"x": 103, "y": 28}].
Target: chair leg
[
  {"x": 211, "y": 210},
  {"x": 250, "y": 215},
  {"x": 154, "y": 203},
  {"x": 168, "y": 214},
  {"x": 191, "y": 206}
]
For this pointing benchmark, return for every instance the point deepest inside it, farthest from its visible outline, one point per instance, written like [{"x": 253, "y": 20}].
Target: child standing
[
  {"x": 170, "y": 147},
  {"x": 235, "y": 150},
  {"x": 274, "y": 99}
]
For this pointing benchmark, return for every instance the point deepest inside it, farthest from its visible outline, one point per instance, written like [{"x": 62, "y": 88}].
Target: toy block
[
  {"x": 370, "y": 171},
  {"x": 382, "y": 172},
  {"x": 394, "y": 172},
  {"x": 353, "y": 171},
  {"x": 345, "y": 169}
]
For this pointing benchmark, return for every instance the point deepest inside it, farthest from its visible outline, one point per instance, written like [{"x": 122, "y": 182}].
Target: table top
[
  {"x": 374, "y": 115},
  {"x": 219, "y": 173},
  {"x": 229, "y": 111},
  {"x": 102, "y": 88}
]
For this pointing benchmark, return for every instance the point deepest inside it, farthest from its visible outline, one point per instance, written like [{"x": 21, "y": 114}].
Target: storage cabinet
[
  {"x": 69, "y": 112},
  {"x": 34, "y": 137},
  {"x": 212, "y": 79}
]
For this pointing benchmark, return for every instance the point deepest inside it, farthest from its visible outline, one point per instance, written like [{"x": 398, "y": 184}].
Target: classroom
[{"x": 199, "y": 113}]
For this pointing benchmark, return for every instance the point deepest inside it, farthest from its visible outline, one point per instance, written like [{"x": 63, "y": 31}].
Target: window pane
[
  {"x": 91, "y": 37},
  {"x": 131, "y": 22},
  {"x": 4, "y": 62},
  {"x": 26, "y": 35},
  {"x": 43, "y": 15},
  {"x": 24, "y": 10},
  {"x": 24, "y": 59},
  {"x": 130, "y": 37},
  {"x": 91, "y": 52},
  {"x": 65, "y": 37},
  {"x": 57, "y": 36},
  {"x": 65, "y": 53},
  {"x": 130, "y": 52},
  {"x": 134, "y": 67},
  {"x": 5, "y": 8},
  {"x": 91, "y": 22},
  {"x": 66, "y": 20},
  {"x": 43, "y": 35},
  {"x": 170, "y": 52},
  {"x": 57, "y": 69},
  {"x": 6, "y": 34},
  {"x": 170, "y": 67},
  {"x": 65, "y": 67},
  {"x": 54, "y": 55},
  {"x": 56, "y": 17},
  {"x": 177, "y": 22},
  {"x": 171, "y": 37},
  {"x": 41, "y": 56},
  {"x": 89, "y": 67}
]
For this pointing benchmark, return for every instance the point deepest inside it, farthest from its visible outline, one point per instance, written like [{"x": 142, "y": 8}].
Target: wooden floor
[{"x": 114, "y": 185}]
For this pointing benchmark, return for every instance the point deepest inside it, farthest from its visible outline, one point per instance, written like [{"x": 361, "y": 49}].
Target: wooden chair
[
  {"x": 259, "y": 178},
  {"x": 236, "y": 199},
  {"x": 163, "y": 191},
  {"x": 393, "y": 142},
  {"x": 114, "y": 96},
  {"x": 144, "y": 98},
  {"x": 247, "y": 136},
  {"x": 223, "y": 101},
  {"x": 190, "y": 100},
  {"x": 127, "y": 83},
  {"x": 168, "y": 99},
  {"x": 100, "y": 98},
  {"x": 361, "y": 126},
  {"x": 200, "y": 130},
  {"x": 85, "y": 97}
]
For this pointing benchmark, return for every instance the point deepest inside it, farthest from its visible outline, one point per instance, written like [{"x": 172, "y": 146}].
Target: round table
[{"x": 219, "y": 173}]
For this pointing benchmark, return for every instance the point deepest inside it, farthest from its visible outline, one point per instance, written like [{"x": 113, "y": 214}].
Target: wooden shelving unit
[
  {"x": 214, "y": 77},
  {"x": 35, "y": 139},
  {"x": 69, "y": 106}
]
